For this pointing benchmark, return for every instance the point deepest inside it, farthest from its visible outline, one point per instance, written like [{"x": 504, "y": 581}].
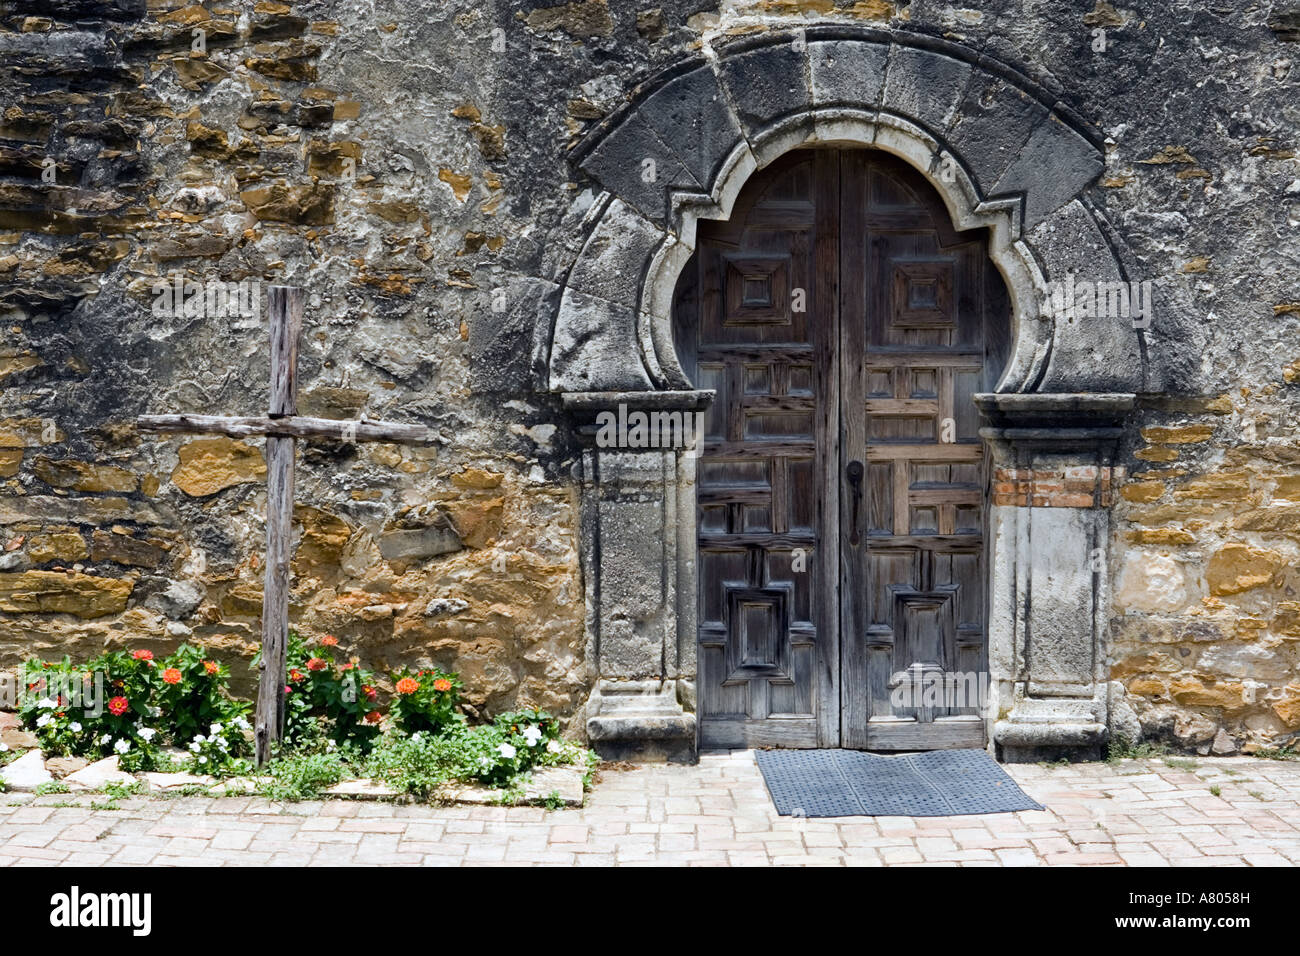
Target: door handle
[{"x": 854, "y": 473}]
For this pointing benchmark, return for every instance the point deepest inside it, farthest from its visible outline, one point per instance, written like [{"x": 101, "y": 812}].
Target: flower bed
[{"x": 132, "y": 712}]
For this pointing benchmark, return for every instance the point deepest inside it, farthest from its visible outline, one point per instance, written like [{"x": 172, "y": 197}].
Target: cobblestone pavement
[{"x": 1219, "y": 812}]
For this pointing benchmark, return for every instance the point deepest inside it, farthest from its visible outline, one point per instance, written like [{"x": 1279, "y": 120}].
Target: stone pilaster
[
  {"x": 638, "y": 530},
  {"x": 1053, "y": 485}
]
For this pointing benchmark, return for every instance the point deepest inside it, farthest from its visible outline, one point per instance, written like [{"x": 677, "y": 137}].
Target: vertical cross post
[{"x": 284, "y": 308}]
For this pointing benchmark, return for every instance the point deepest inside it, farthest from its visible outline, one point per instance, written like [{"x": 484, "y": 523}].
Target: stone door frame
[{"x": 1005, "y": 155}]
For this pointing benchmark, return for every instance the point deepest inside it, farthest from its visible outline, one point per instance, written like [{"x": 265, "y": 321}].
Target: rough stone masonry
[{"x": 409, "y": 164}]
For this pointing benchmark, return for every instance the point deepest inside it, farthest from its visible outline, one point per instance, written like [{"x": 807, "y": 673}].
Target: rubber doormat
[{"x": 849, "y": 783}]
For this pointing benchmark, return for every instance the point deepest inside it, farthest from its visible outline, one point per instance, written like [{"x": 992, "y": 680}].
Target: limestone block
[
  {"x": 209, "y": 465},
  {"x": 26, "y": 773},
  {"x": 1151, "y": 581},
  {"x": 766, "y": 84},
  {"x": 98, "y": 775},
  {"x": 849, "y": 72},
  {"x": 925, "y": 87}
]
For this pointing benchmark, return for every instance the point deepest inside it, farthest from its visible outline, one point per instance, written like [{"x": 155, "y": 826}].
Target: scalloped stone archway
[{"x": 1004, "y": 155}]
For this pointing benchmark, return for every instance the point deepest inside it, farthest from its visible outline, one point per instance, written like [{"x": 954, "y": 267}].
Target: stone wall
[
  {"x": 407, "y": 163},
  {"x": 1206, "y": 635}
]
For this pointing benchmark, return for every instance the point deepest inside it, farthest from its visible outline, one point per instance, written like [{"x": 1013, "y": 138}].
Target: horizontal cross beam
[{"x": 290, "y": 426}]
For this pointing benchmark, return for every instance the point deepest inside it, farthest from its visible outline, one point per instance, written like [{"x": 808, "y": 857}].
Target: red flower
[
  {"x": 348, "y": 667},
  {"x": 368, "y": 691},
  {"x": 211, "y": 667},
  {"x": 171, "y": 676},
  {"x": 442, "y": 684},
  {"x": 296, "y": 675},
  {"x": 118, "y": 706},
  {"x": 288, "y": 689},
  {"x": 374, "y": 717},
  {"x": 329, "y": 640},
  {"x": 316, "y": 664},
  {"x": 407, "y": 685},
  {"x": 142, "y": 655}
]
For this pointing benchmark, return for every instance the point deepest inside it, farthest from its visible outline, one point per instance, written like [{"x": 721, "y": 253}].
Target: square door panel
[{"x": 922, "y": 295}]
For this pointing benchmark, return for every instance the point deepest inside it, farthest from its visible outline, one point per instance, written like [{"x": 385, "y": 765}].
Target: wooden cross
[{"x": 282, "y": 426}]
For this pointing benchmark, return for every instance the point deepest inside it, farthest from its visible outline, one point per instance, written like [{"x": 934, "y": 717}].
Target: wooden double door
[{"x": 842, "y": 489}]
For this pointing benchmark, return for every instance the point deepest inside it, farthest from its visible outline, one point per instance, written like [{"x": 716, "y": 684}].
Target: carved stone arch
[
  {"x": 1005, "y": 155},
  {"x": 1002, "y": 152}
]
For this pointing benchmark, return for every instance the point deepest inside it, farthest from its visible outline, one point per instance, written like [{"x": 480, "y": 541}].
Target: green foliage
[
  {"x": 129, "y": 704},
  {"x": 498, "y": 754},
  {"x": 1287, "y": 751},
  {"x": 304, "y": 776},
  {"x": 1121, "y": 748},
  {"x": 196, "y": 702},
  {"x": 52, "y": 786},
  {"x": 320, "y": 688},
  {"x": 426, "y": 701}
]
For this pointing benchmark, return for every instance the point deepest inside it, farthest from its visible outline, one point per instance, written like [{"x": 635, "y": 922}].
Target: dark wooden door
[
  {"x": 841, "y": 321},
  {"x": 923, "y": 327}
]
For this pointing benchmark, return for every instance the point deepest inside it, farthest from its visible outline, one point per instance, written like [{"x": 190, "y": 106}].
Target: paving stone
[{"x": 649, "y": 817}]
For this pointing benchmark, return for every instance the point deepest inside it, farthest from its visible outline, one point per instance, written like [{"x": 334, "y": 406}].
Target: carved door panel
[
  {"x": 756, "y": 323},
  {"x": 922, "y": 329}
]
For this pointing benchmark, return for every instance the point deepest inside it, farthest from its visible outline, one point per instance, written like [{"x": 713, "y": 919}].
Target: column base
[
  {"x": 1047, "y": 728},
  {"x": 640, "y": 721}
]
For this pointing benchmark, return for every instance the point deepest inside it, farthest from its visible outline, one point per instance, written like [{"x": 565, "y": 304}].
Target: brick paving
[{"x": 1136, "y": 812}]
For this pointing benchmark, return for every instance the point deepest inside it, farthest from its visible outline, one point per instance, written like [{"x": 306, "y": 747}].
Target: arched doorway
[{"x": 842, "y": 489}]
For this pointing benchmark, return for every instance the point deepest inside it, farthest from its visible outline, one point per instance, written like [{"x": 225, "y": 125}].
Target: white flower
[
  {"x": 203, "y": 760},
  {"x": 122, "y": 746},
  {"x": 47, "y": 703},
  {"x": 507, "y": 751},
  {"x": 485, "y": 761},
  {"x": 200, "y": 739},
  {"x": 42, "y": 720},
  {"x": 553, "y": 746},
  {"x": 147, "y": 734},
  {"x": 195, "y": 747},
  {"x": 533, "y": 735},
  {"x": 241, "y": 723},
  {"x": 3, "y": 747},
  {"x": 215, "y": 729},
  {"x": 105, "y": 740},
  {"x": 75, "y": 727}
]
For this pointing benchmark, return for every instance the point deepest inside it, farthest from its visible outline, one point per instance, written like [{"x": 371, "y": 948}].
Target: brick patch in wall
[{"x": 1074, "y": 486}]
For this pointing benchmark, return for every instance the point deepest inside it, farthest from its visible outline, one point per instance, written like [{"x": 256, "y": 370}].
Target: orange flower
[
  {"x": 295, "y": 675},
  {"x": 407, "y": 685},
  {"x": 171, "y": 676},
  {"x": 316, "y": 664},
  {"x": 329, "y": 640},
  {"x": 142, "y": 655},
  {"x": 374, "y": 717},
  {"x": 118, "y": 706},
  {"x": 211, "y": 667},
  {"x": 442, "y": 684}
]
